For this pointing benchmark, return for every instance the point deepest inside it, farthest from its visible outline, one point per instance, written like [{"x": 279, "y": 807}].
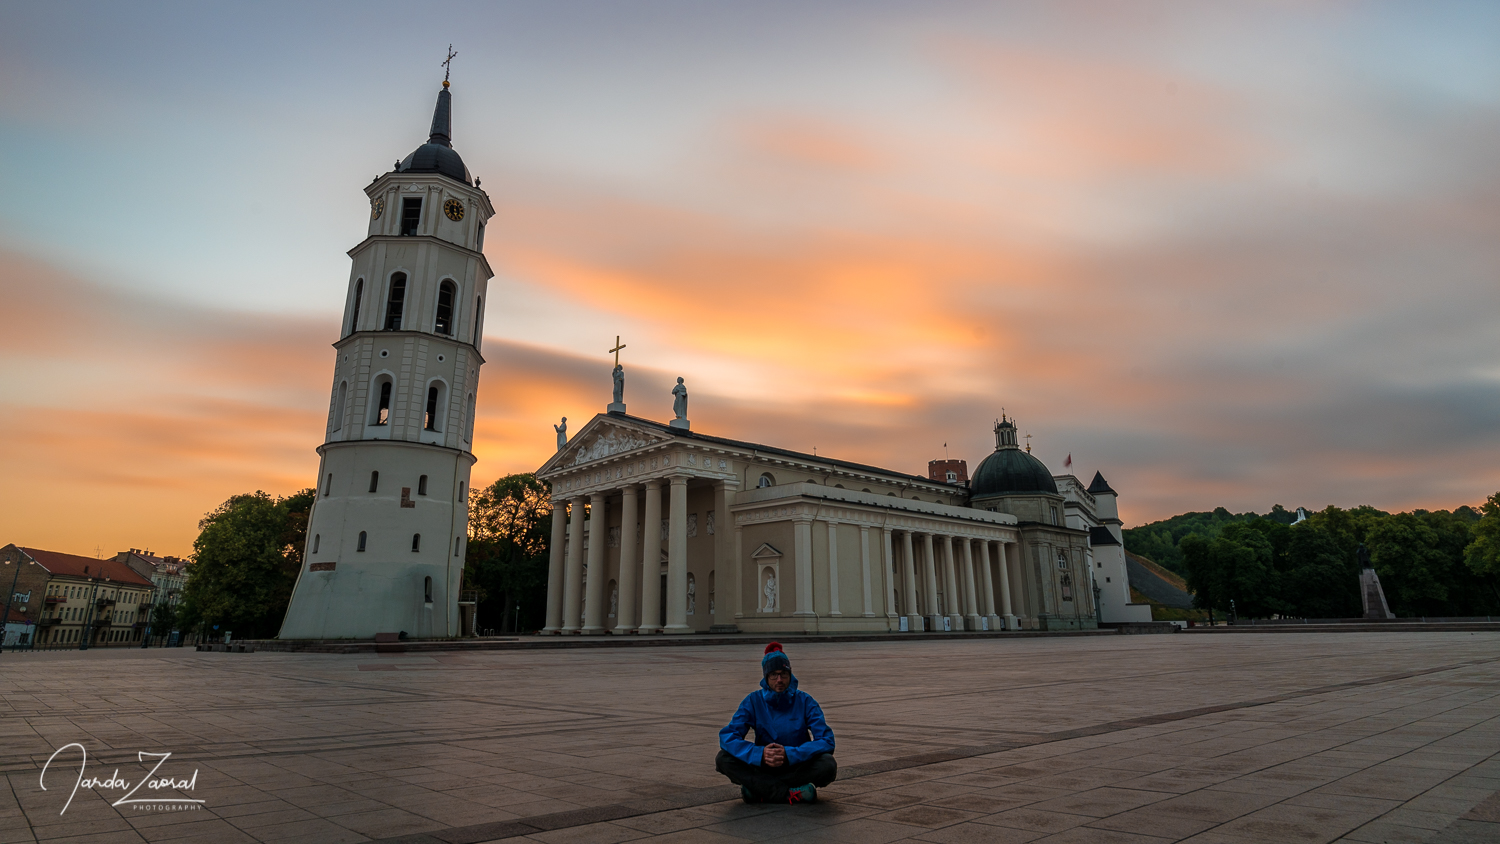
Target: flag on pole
[{"x": 1068, "y": 464}]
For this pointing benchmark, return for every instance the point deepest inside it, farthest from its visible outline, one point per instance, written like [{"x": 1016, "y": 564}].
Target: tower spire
[{"x": 442, "y": 119}]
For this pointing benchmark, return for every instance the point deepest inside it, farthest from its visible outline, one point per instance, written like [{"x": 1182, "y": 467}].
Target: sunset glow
[{"x": 1229, "y": 255}]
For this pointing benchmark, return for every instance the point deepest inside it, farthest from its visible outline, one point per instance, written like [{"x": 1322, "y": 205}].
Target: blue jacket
[{"x": 791, "y": 719}]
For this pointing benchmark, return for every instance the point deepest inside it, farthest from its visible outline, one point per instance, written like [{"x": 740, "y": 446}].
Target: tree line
[
  {"x": 249, "y": 549},
  {"x": 1431, "y": 563}
]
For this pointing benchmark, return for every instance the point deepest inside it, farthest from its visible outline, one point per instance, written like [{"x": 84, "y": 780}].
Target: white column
[
  {"x": 864, "y": 570},
  {"x": 573, "y": 578},
  {"x": 909, "y": 583},
  {"x": 630, "y": 567},
  {"x": 929, "y": 576},
  {"x": 802, "y": 560},
  {"x": 888, "y": 565},
  {"x": 726, "y": 554},
  {"x": 555, "y": 566},
  {"x": 953, "y": 601},
  {"x": 651, "y": 561},
  {"x": 833, "y": 569},
  {"x": 971, "y": 609},
  {"x": 739, "y": 571},
  {"x": 1005, "y": 584},
  {"x": 598, "y": 577},
  {"x": 677, "y": 563},
  {"x": 989, "y": 586}
]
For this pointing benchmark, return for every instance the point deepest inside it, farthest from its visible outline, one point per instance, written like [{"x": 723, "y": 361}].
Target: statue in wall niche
[
  {"x": 692, "y": 595},
  {"x": 770, "y": 592},
  {"x": 619, "y": 376},
  {"x": 679, "y": 401},
  {"x": 562, "y": 433}
]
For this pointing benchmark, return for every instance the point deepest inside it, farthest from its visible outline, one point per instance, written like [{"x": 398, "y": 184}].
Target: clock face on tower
[
  {"x": 377, "y": 208},
  {"x": 454, "y": 209}
]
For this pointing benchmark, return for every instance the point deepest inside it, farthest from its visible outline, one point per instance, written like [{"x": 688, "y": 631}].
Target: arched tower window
[
  {"x": 416, "y": 542},
  {"x": 478, "y": 320},
  {"x": 328, "y": 485},
  {"x": 361, "y": 541},
  {"x": 374, "y": 481},
  {"x": 434, "y": 404},
  {"x": 359, "y": 294},
  {"x": 383, "y": 387},
  {"x": 317, "y": 540},
  {"x": 427, "y": 589},
  {"x": 447, "y": 291},
  {"x": 338, "y": 405},
  {"x": 395, "y": 302}
]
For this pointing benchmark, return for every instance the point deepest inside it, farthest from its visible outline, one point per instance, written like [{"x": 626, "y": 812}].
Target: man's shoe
[
  {"x": 747, "y": 796},
  {"x": 802, "y": 794}
]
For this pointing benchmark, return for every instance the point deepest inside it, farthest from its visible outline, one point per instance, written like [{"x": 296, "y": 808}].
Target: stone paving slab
[{"x": 1312, "y": 737}]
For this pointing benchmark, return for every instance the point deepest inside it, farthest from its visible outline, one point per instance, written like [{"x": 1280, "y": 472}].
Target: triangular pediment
[
  {"x": 602, "y": 437},
  {"x": 765, "y": 551}
]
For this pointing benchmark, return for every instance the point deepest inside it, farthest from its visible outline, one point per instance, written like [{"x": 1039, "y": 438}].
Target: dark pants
[{"x": 771, "y": 784}]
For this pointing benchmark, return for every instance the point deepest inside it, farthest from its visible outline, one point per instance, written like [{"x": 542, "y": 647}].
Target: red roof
[{"x": 73, "y": 565}]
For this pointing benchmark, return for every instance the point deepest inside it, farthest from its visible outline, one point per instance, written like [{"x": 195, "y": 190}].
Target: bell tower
[{"x": 385, "y": 546}]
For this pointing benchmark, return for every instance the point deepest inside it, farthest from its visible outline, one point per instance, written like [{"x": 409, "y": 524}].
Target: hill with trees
[{"x": 1431, "y": 563}]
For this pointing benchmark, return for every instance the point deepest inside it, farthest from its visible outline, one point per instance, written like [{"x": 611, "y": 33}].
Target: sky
[{"x": 1226, "y": 254}]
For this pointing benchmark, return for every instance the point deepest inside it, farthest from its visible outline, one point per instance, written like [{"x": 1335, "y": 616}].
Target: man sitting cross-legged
[{"x": 793, "y": 749}]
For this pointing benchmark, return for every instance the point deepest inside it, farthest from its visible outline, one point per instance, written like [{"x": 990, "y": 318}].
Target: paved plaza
[{"x": 1365, "y": 737}]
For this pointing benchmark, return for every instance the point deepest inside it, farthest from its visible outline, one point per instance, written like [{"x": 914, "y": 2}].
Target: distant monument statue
[
  {"x": 562, "y": 433},
  {"x": 618, "y": 374},
  {"x": 679, "y": 406},
  {"x": 1370, "y": 593}
]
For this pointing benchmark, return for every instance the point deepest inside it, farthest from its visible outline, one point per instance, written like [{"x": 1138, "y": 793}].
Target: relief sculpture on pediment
[{"x": 613, "y": 441}]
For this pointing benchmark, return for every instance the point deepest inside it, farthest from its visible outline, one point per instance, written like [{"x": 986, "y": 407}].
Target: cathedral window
[
  {"x": 461, "y": 499},
  {"x": 394, "y": 302},
  {"x": 374, "y": 481},
  {"x": 765, "y": 481},
  {"x": 478, "y": 320},
  {"x": 1054, "y": 517},
  {"x": 444, "y": 322},
  {"x": 338, "y": 406},
  {"x": 411, "y": 215},
  {"x": 1062, "y": 559},
  {"x": 479, "y": 238},
  {"x": 422, "y": 485},
  {"x": 434, "y": 402},
  {"x": 383, "y": 409},
  {"x": 317, "y": 539},
  {"x": 328, "y": 485},
  {"x": 469, "y": 428},
  {"x": 427, "y": 589},
  {"x": 416, "y": 542},
  {"x": 359, "y": 293},
  {"x": 361, "y": 541}
]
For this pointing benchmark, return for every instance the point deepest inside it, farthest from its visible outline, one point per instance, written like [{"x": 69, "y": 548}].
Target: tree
[
  {"x": 1318, "y": 579},
  {"x": 1483, "y": 554},
  {"x": 163, "y": 619},
  {"x": 245, "y": 562},
  {"x": 1235, "y": 566},
  {"x": 510, "y": 524}
]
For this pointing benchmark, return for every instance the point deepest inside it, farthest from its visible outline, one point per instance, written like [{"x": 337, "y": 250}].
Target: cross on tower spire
[{"x": 448, "y": 64}]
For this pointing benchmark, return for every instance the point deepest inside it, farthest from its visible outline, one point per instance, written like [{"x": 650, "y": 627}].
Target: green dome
[{"x": 1011, "y": 471}]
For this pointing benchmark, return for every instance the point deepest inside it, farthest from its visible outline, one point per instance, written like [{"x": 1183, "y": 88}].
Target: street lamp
[
  {"x": 15, "y": 578},
  {"x": 88, "y": 623}
]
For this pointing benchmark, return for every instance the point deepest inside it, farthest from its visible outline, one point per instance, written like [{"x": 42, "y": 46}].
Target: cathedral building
[
  {"x": 660, "y": 529},
  {"x": 386, "y": 535}
]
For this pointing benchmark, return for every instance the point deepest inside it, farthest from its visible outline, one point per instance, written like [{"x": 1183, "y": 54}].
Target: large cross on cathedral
[{"x": 617, "y": 348}]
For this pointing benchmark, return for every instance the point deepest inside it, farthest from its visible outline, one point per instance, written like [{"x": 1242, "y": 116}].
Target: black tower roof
[{"x": 438, "y": 155}]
